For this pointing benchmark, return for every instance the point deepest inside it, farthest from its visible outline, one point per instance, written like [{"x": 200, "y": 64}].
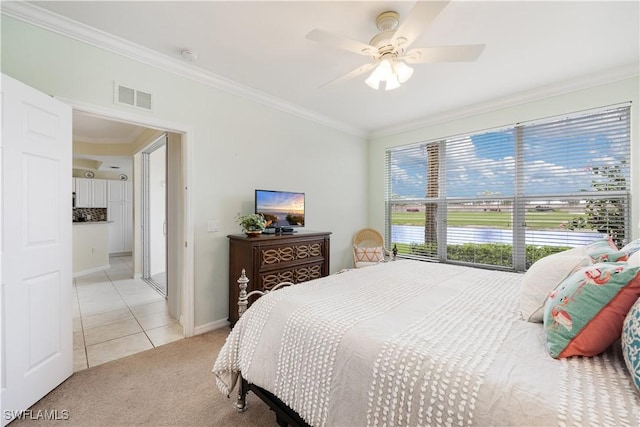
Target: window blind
[{"x": 508, "y": 197}]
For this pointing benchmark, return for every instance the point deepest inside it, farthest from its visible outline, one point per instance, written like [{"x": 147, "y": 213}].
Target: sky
[
  {"x": 556, "y": 160},
  {"x": 280, "y": 201}
]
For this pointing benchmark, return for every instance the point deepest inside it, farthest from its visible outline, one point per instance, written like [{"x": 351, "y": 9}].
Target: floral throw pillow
[
  {"x": 584, "y": 314},
  {"x": 605, "y": 250},
  {"x": 375, "y": 254},
  {"x": 631, "y": 342}
]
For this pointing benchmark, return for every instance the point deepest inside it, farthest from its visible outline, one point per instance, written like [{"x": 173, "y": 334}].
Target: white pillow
[
  {"x": 634, "y": 260},
  {"x": 632, "y": 247},
  {"x": 544, "y": 276}
]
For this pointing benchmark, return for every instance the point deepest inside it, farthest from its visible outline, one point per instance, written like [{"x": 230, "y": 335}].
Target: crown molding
[
  {"x": 584, "y": 82},
  {"x": 50, "y": 21}
]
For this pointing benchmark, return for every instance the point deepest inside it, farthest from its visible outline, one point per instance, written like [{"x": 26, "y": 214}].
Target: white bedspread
[{"x": 415, "y": 343}]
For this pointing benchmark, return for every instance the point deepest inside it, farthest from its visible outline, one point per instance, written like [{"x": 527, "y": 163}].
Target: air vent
[
  {"x": 128, "y": 96},
  {"x": 143, "y": 100}
]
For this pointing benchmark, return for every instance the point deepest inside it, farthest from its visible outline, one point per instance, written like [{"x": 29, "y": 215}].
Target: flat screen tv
[{"x": 283, "y": 210}]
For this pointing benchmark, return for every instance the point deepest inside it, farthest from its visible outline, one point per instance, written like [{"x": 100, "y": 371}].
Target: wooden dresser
[{"x": 273, "y": 258}]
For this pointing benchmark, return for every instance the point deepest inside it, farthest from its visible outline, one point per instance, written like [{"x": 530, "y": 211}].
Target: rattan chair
[{"x": 368, "y": 248}]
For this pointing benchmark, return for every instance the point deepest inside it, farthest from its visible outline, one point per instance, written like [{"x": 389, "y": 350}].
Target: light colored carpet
[{"x": 171, "y": 385}]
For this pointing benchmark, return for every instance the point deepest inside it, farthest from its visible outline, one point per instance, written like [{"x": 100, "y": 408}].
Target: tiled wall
[{"x": 89, "y": 214}]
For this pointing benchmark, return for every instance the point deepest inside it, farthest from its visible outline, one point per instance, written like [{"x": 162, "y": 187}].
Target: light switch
[{"x": 213, "y": 225}]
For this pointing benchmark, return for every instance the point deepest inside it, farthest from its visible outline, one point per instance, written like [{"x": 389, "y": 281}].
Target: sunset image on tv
[{"x": 281, "y": 208}]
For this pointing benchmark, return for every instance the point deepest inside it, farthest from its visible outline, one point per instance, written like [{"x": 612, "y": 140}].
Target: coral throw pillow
[
  {"x": 584, "y": 315},
  {"x": 369, "y": 254}
]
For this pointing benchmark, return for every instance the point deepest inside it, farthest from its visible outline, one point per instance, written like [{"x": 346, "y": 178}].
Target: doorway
[
  {"x": 177, "y": 231},
  {"x": 180, "y": 254},
  {"x": 154, "y": 215}
]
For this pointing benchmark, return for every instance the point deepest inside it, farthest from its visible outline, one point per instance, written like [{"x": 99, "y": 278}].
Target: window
[{"x": 507, "y": 197}]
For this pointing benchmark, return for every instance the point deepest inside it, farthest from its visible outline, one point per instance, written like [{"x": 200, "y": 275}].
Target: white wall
[
  {"x": 238, "y": 145},
  {"x": 600, "y": 96}
]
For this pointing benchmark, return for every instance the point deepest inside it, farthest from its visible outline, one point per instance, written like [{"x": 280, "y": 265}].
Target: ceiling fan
[{"x": 389, "y": 49}]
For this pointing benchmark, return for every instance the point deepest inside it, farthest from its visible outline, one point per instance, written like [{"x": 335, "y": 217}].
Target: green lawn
[{"x": 540, "y": 220}]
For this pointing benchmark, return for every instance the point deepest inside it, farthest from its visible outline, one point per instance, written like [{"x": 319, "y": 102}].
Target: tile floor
[{"x": 115, "y": 315}]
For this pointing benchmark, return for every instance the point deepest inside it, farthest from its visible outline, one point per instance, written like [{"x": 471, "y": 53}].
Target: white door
[{"x": 36, "y": 294}]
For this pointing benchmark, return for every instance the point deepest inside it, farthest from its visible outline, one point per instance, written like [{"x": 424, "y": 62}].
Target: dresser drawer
[
  {"x": 294, "y": 275},
  {"x": 293, "y": 253}
]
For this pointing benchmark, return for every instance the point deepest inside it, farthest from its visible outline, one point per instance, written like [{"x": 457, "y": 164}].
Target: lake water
[
  {"x": 282, "y": 217},
  {"x": 460, "y": 235}
]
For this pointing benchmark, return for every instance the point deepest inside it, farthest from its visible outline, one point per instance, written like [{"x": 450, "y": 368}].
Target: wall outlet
[{"x": 213, "y": 225}]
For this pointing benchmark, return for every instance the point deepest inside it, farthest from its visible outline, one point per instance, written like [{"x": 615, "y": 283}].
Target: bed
[{"x": 417, "y": 343}]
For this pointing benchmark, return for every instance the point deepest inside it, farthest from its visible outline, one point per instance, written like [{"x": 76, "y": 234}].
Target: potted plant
[{"x": 252, "y": 224}]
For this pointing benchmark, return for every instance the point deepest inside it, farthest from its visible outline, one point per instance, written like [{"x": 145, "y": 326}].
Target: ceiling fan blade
[
  {"x": 461, "y": 53},
  {"x": 351, "y": 74},
  {"x": 341, "y": 42},
  {"x": 417, "y": 21}
]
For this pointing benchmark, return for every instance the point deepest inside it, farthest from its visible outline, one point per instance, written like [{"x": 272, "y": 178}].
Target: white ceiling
[
  {"x": 87, "y": 128},
  {"x": 96, "y": 130},
  {"x": 533, "y": 49}
]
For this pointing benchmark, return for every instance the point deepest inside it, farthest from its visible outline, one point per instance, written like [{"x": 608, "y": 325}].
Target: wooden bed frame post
[
  {"x": 243, "y": 388},
  {"x": 243, "y": 299}
]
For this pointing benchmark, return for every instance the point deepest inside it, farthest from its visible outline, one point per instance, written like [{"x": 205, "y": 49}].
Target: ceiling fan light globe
[
  {"x": 372, "y": 81},
  {"x": 392, "y": 83},
  {"x": 384, "y": 70},
  {"x": 403, "y": 71}
]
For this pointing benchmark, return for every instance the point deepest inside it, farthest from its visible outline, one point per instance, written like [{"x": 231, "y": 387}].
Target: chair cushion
[
  {"x": 375, "y": 254},
  {"x": 360, "y": 264}
]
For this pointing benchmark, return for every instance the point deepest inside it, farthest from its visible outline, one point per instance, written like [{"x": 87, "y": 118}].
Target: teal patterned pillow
[
  {"x": 605, "y": 250},
  {"x": 631, "y": 342},
  {"x": 585, "y": 313}
]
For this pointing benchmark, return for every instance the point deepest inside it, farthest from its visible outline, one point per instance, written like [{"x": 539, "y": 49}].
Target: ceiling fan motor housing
[{"x": 387, "y": 23}]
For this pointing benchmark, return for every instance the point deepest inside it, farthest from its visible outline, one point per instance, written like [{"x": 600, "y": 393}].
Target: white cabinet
[
  {"x": 99, "y": 193},
  {"x": 91, "y": 193},
  {"x": 120, "y": 211}
]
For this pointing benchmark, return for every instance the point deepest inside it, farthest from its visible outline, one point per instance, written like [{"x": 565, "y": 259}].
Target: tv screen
[{"x": 281, "y": 208}]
